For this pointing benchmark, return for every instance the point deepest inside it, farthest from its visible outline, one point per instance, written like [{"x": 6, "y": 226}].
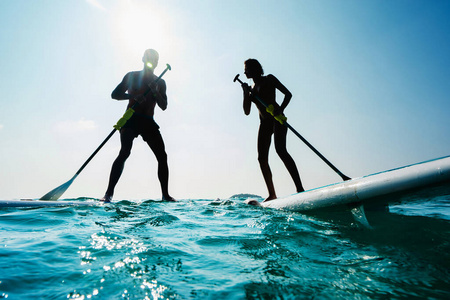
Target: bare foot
[
  {"x": 106, "y": 199},
  {"x": 168, "y": 198},
  {"x": 270, "y": 198}
]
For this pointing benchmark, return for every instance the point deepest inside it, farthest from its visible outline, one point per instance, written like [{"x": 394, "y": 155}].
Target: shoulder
[
  {"x": 134, "y": 74},
  {"x": 131, "y": 75},
  {"x": 161, "y": 82},
  {"x": 271, "y": 78}
]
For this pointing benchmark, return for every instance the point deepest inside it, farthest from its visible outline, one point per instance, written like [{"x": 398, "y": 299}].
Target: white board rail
[
  {"x": 369, "y": 189},
  {"x": 43, "y": 203}
]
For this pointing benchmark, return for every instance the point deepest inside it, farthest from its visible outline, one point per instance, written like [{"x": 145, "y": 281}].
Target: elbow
[
  {"x": 247, "y": 106},
  {"x": 163, "y": 106},
  {"x": 117, "y": 94},
  {"x": 288, "y": 96},
  {"x": 114, "y": 95}
]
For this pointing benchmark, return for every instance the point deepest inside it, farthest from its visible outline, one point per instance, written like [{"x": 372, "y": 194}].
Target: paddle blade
[{"x": 57, "y": 192}]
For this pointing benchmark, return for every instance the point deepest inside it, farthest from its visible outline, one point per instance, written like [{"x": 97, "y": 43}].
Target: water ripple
[{"x": 218, "y": 249}]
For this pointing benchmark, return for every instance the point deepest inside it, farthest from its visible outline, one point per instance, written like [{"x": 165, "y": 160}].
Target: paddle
[
  {"x": 57, "y": 192},
  {"x": 282, "y": 119}
]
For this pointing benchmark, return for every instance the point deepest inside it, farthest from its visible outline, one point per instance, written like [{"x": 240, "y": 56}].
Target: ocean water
[{"x": 223, "y": 249}]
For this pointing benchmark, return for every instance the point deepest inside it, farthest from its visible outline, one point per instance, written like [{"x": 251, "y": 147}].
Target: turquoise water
[{"x": 223, "y": 249}]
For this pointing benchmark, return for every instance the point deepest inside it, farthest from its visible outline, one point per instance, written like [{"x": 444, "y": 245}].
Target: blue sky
[{"x": 370, "y": 83}]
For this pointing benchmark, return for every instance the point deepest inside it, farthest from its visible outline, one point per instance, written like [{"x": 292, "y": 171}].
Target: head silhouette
[
  {"x": 150, "y": 58},
  {"x": 253, "y": 68}
]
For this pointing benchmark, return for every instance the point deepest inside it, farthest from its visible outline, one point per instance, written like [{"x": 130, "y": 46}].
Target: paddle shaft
[
  {"x": 345, "y": 178},
  {"x": 285, "y": 123}
]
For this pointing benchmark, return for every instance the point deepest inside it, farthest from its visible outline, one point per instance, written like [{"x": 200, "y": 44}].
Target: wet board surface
[{"x": 390, "y": 186}]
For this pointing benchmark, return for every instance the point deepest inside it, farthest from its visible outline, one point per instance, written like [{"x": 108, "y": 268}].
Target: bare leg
[
  {"x": 126, "y": 140},
  {"x": 156, "y": 143},
  {"x": 280, "y": 133},
  {"x": 264, "y": 141}
]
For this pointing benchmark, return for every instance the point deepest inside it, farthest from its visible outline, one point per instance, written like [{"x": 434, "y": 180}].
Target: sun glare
[{"x": 139, "y": 26}]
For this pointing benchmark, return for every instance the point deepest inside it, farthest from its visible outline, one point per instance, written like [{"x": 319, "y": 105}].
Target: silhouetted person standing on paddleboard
[
  {"x": 132, "y": 88},
  {"x": 265, "y": 88}
]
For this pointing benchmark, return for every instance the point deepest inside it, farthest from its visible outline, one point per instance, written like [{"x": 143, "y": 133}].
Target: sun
[{"x": 139, "y": 25}]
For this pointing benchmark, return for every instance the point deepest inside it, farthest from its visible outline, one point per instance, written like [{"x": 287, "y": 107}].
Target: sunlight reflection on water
[{"x": 204, "y": 250}]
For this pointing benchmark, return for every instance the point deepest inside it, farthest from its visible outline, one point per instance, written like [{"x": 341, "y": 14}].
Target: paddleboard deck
[
  {"x": 41, "y": 203},
  {"x": 392, "y": 186}
]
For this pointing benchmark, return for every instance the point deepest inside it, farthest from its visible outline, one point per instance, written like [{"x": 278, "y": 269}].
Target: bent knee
[
  {"x": 124, "y": 154},
  {"x": 281, "y": 151},
  {"x": 161, "y": 156}
]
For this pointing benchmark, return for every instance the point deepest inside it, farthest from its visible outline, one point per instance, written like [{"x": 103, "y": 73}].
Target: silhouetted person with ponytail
[{"x": 265, "y": 88}]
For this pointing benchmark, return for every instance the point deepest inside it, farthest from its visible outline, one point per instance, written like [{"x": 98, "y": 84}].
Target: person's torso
[
  {"x": 265, "y": 90},
  {"x": 138, "y": 83}
]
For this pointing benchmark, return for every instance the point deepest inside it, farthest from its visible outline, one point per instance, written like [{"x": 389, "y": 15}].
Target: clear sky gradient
[{"x": 370, "y": 83}]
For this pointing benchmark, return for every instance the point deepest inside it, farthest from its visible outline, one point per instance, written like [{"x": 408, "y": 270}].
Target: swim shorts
[{"x": 143, "y": 125}]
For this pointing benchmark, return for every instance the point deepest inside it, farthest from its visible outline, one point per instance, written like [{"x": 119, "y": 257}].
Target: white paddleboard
[
  {"x": 41, "y": 203},
  {"x": 385, "y": 187}
]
